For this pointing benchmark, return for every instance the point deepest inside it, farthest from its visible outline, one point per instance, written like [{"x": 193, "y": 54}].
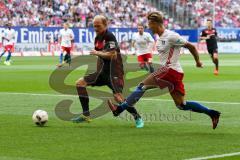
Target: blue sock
[
  {"x": 61, "y": 58},
  {"x": 195, "y": 107},
  {"x": 2, "y": 54},
  {"x": 9, "y": 56},
  {"x": 133, "y": 98}
]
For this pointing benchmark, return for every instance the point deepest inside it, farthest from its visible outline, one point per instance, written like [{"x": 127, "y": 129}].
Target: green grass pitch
[{"x": 24, "y": 88}]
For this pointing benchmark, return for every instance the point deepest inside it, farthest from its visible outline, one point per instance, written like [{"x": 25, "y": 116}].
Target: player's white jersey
[
  {"x": 143, "y": 43},
  {"x": 66, "y": 37},
  {"x": 8, "y": 37},
  {"x": 169, "y": 46}
]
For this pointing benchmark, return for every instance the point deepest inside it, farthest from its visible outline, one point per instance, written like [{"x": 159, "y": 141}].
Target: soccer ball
[{"x": 40, "y": 117}]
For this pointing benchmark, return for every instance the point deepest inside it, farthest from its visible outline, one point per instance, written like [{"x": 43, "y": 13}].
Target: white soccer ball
[{"x": 40, "y": 117}]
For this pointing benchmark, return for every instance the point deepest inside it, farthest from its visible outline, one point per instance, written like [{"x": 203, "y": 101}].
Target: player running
[
  {"x": 210, "y": 35},
  {"x": 170, "y": 73},
  {"x": 143, "y": 44},
  {"x": 66, "y": 38},
  {"x": 8, "y": 39},
  {"x": 109, "y": 71}
]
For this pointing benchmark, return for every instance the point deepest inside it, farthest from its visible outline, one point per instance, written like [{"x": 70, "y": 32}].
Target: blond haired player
[
  {"x": 169, "y": 74},
  {"x": 109, "y": 71}
]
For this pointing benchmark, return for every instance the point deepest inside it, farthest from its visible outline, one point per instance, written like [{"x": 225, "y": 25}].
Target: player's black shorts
[
  {"x": 100, "y": 79},
  {"x": 211, "y": 51}
]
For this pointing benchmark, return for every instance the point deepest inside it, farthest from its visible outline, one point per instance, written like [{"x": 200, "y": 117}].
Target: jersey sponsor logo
[
  {"x": 210, "y": 31},
  {"x": 100, "y": 45}
]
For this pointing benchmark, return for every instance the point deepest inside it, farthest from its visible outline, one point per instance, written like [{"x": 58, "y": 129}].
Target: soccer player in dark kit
[
  {"x": 210, "y": 35},
  {"x": 109, "y": 71}
]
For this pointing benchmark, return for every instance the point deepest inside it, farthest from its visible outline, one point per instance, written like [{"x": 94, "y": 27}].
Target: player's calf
[
  {"x": 194, "y": 106},
  {"x": 151, "y": 69},
  {"x": 129, "y": 102},
  {"x": 83, "y": 96},
  {"x": 67, "y": 58},
  {"x": 2, "y": 54},
  {"x": 199, "y": 108},
  {"x": 142, "y": 65}
]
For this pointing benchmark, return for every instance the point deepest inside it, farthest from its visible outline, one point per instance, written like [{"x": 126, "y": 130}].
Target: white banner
[{"x": 229, "y": 47}]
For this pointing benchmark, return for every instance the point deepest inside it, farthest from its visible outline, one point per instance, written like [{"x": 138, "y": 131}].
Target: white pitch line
[
  {"x": 216, "y": 156},
  {"x": 145, "y": 99}
]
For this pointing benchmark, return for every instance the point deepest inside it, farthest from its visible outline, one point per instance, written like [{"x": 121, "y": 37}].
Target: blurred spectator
[
  {"x": 121, "y": 13},
  {"x": 79, "y": 13}
]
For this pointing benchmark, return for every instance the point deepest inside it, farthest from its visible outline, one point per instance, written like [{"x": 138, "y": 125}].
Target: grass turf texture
[{"x": 166, "y": 137}]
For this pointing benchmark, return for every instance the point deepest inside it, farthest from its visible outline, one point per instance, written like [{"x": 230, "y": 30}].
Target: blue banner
[
  {"x": 190, "y": 34},
  {"x": 82, "y": 35},
  {"x": 228, "y": 35}
]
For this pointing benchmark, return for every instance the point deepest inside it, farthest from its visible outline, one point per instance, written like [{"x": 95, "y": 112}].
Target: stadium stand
[
  {"x": 193, "y": 14},
  {"x": 121, "y": 13}
]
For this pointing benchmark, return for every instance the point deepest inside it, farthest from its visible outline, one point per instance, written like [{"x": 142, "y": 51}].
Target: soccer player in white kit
[
  {"x": 170, "y": 74},
  {"x": 8, "y": 39},
  {"x": 143, "y": 44},
  {"x": 66, "y": 38}
]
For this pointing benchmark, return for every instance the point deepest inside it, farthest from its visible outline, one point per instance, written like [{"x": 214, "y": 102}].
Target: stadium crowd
[
  {"x": 79, "y": 13},
  {"x": 121, "y": 13},
  {"x": 227, "y": 12}
]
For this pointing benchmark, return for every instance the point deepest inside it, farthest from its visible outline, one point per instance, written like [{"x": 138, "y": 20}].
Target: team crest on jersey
[
  {"x": 112, "y": 45},
  {"x": 179, "y": 41}
]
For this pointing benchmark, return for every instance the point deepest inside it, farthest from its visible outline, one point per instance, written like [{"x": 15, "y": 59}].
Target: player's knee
[
  {"x": 141, "y": 87},
  {"x": 118, "y": 97},
  {"x": 150, "y": 60},
  {"x": 80, "y": 83},
  {"x": 181, "y": 106},
  {"x": 141, "y": 65}
]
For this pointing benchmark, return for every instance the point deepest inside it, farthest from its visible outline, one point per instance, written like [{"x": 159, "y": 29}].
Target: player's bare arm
[
  {"x": 60, "y": 40},
  {"x": 205, "y": 37},
  {"x": 104, "y": 54},
  {"x": 194, "y": 52},
  {"x": 133, "y": 43},
  {"x": 5, "y": 38}
]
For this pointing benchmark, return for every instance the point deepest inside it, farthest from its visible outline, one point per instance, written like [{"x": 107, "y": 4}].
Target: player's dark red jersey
[
  {"x": 212, "y": 41},
  {"x": 108, "y": 42}
]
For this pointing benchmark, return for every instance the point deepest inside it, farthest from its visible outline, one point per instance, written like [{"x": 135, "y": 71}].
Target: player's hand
[
  {"x": 94, "y": 52},
  {"x": 209, "y": 36},
  {"x": 5, "y": 39},
  {"x": 199, "y": 64},
  {"x": 133, "y": 50}
]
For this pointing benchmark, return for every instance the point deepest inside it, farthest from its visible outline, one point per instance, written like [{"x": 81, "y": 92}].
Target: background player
[
  {"x": 8, "y": 39},
  {"x": 143, "y": 44},
  {"x": 66, "y": 38},
  {"x": 170, "y": 73},
  {"x": 210, "y": 35},
  {"x": 109, "y": 71}
]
